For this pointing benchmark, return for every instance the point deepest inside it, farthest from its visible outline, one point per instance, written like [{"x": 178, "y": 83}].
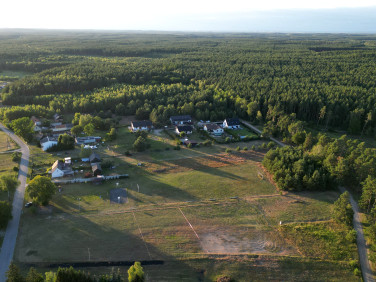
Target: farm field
[{"x": 197, "y": 211}]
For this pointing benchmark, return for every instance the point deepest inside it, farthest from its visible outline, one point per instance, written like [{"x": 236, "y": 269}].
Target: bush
[
  {"x": 227, "y": 140},
  {"x": 270, "y": 145},
  {"x": 15, "y": 168},
  {"x": 253, "y": 147},
  {"x": 237, "y": 149},
  {"x": 228, "y": 150},
  {"x": 351, "y": 236},
  {"x": 16, "y": 157},
  {"x": 357, "y": 272},
  {"x": 177, "y": 148},
  {"x": 245, "y": 148},
  {"x": 5, "y": 213}
]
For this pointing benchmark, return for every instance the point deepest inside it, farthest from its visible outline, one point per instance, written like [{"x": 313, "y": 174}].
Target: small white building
[
  {"x": 60, "y": 169},
  {"x": 56, "y": 171},
  {"x": 231, "y": 123},
  {"x": 48, "y": 142}
]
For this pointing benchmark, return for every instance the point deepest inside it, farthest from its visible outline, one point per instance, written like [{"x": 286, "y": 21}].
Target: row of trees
[{"x": 135, "y": 274}]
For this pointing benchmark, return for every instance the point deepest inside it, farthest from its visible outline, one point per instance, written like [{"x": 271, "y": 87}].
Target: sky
[{"x": 193, "y": 15}]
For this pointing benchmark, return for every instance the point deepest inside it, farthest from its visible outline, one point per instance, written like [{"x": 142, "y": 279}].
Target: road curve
[
  {"x": 254, "y": 128},
  {"x": 9, "y": 242},
  {"x": 361, "y": 242}
]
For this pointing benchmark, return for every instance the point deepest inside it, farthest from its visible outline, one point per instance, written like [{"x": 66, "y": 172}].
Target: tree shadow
[{"x": 88, "y": 240}]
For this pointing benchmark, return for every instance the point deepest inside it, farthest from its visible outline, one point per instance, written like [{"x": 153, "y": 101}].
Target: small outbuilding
[
  {"x": 97, "y": 169},
  {"x": 94, "y": 158}
]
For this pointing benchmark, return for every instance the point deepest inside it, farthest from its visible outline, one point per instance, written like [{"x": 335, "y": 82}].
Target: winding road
[
  {"x": 360, "y": 240},
  {"x": 9, "y": 242}
]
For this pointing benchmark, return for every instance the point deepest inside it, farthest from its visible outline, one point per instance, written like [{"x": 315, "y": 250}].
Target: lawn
[
  {"x": 244, "y": 132},
  {"x": 202, "y": 211},
  {"x": 6, "y": 143},
  {"x": 10, "y": 75}
]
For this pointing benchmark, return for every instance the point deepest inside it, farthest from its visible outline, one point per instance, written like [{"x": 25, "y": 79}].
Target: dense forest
[{"x": 326, "y": 80}]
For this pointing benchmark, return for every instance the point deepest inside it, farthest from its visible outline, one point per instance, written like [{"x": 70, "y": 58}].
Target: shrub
[
  {"x": 357, "y": 272},
  {"x": 228, "y": 150},
  {"x": 16, "y": 157},
  {"x": 270, "y": 145},
  {"x": 253, "y": 147},
  {"x": 15, "y": 168},
  {"x": 245, "y": 148},
  {"x": 351, "y": 236},
  {"x": 237, "y": 149}
]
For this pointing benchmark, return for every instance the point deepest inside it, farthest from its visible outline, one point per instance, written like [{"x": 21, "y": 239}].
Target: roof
[
  {"x": 142, "y": 123},
  {"x": 96, "y": 166},
  {"x": 35, "y": 119},
  {"x": 232, "y": 121},
  {"x": 212, "y": 126},
  {"x": 57, "y": 165},
  {"x": 48, "y": 139},
  {"x": 94, "y": 156},
  {"x": 181, "y": 118},
  {"x": 184, "y": 128}
]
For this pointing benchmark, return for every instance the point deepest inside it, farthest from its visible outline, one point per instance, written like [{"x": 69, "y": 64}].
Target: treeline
[
  {"x": 322, "y": 163},
  {"x": 135, "y": 274}
]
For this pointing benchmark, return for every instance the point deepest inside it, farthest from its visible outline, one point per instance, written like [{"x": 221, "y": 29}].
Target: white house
[
  {"x": 231, "y": 123},
  {"x": 213, "y": 128},
  {"x": 141, "y": 125},
  {"x": 60, "y": 169},
  {"x": 48, "y": 142},
  {"x": 56, "y": 170},
  {"x": 187, "y": 129}
]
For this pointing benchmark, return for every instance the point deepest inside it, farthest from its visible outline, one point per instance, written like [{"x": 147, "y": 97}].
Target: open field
[
  {"x": 201, "y": 211},
  {"x": 9, "y": 75},
  {"x": 6, "y": 143}
]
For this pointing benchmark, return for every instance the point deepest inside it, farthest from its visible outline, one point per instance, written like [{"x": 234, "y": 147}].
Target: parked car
[{"x": 28, "y": 205}]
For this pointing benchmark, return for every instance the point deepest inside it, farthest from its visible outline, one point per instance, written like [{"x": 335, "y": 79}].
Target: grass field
[
  {"x": 202, "y": 211},
  {"x": 6, "y": 143},
  {"x": 8, "y": 75}
]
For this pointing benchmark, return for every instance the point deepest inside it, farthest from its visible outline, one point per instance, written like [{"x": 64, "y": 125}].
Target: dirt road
[{"x": 361, "y": 242}]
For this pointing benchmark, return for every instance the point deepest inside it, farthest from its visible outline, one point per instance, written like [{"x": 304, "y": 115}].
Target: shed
[
  {"x": 94, "y": 158},
  {"x": 97, "y": 169}
]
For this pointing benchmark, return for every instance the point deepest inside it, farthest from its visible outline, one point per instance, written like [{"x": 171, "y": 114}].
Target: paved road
[
  {"x": 9, "y": 242},
  {"x": 259, "y": 132},
  {"x": 361, "y": 242}
]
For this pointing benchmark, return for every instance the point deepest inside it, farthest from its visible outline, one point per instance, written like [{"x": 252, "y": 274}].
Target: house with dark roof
[
  {"x": 213, "y": 128},
  {"x": 94, "y": 158},
  {"x": 231, "y": 123},
  {"x": 176, "y": 120},
  {"x": 97, "y": 169},
  {"x": 87, "y": 140},
  {"x": 187, "y": 129},
  {"x": 141, "y": 125}
]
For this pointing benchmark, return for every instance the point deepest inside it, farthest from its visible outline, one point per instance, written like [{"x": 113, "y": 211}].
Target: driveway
[
  {"x": 9, "y": 242},
  {"x": 254, "y": 128}
]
